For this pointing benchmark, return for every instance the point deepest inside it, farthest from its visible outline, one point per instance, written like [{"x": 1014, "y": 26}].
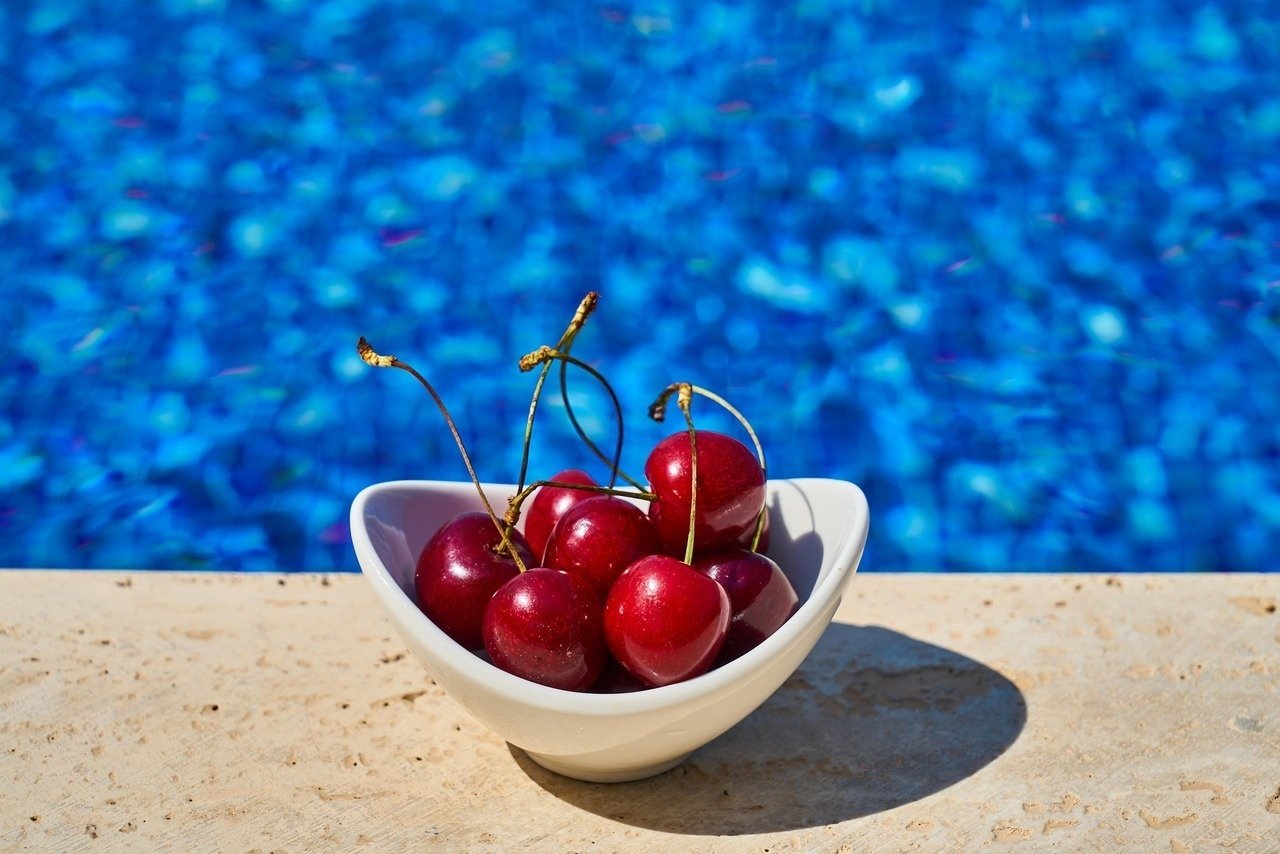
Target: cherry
[
  {"x": 545, "y": 625},
  {"x": 761, "y": 597},
  {"x": 459, "y": 570},
  {"x": 616, "y": 679},
  {"x": 549, "y": 503},
  {"x": 730, "y": 492},
  {"x": 664, "y": 621},
  {"x": 598, "y": 538}
]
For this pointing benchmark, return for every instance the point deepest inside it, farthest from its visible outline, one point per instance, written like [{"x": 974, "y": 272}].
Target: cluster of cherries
[{"x": 597, "y": 594}]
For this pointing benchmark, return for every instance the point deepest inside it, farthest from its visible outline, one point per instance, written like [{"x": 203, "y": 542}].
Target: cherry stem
[
  {"x": 565, "y": 343},
  {"x": 582, "y": 434},
  {"x": 516, "y": 501},
  {"x": 376, "y": 360},
  {"x": 684, "y": 401},
  {"x": 546, "y": 355},
  {"x": 658, "y": 412},
  {"x": 755, "y": 440}
]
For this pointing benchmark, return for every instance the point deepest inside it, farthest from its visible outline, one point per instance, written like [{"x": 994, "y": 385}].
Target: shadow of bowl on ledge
[{"x": 872, "y": 720}]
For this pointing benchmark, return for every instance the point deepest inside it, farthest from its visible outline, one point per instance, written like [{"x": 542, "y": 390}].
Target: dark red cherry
[
  {"x": 545, "y": 625},
  {"x": 664, "y": 621},
  {"x": 549, "y": 503},
  {"x": 460, "y": 569},
  {"x": 761, "y": 597},
  {"x": 730, "y": 491},
  {"x": 598, "y": 538},
  {"x": 616, "y": 679}
]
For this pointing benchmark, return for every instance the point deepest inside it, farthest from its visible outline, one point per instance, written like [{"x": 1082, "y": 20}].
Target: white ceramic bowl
[{"x": 817, "y": 532}]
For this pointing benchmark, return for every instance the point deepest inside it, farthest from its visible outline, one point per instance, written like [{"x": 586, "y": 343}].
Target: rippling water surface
[{"x": 1013, "y": 267}]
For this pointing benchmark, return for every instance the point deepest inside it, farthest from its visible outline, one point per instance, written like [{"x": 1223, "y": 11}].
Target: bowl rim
[{"x": 510, "y": 687}]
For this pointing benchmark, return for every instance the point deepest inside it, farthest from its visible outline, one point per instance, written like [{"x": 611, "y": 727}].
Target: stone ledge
[{"x": 268, "y": 712}]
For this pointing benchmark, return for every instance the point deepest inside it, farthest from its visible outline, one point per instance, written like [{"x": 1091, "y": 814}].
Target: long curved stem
[
  {"x": 658, "y": 412},
  {"x": 546, "y": 355},
  {"x": 755, "y": 440},
  {"x": 517, "y": 501},
  {"x": 684, "y": 401},
  {"x": 528, "y": 427},
  {"x": 374, "y": 359},
  {"x": 582, "y": 434},
  {"x": 580, "y": 316}
]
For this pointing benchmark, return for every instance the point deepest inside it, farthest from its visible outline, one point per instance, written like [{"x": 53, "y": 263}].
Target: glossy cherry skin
[
  {"x": 664, "y": 621},
  {"x": 460, "y": 569},
  {"x": 598, "y": 538},
  {"x": 549, "y": 503},
  {"x": 730, "y": 491},
  {"x": 546, "y": 626},
  {"x": 761, "y": 597}
]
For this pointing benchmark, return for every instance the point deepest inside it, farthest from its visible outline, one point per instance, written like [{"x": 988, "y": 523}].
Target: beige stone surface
[{"x": 147, "y": 711}]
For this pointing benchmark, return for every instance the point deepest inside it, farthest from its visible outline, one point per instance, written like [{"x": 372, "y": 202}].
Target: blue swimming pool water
[{"x": 1013, "y": 267}]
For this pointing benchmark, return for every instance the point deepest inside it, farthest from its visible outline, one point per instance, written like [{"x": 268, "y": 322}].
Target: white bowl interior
[{"x": 817, "y": 530}]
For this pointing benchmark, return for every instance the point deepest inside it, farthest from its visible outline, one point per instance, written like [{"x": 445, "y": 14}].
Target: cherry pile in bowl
[{"x": 612, "y": 589}]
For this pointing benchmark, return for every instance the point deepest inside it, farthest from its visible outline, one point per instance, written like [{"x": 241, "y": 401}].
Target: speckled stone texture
[{"x": 262, "y": 712}]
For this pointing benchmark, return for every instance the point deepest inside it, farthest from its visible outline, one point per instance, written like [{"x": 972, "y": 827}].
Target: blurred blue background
[{"x": 1014, "y": 267}]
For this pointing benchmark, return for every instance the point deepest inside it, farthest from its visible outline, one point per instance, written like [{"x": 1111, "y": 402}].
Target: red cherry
[
  {"x": 545, "y": 625},
  {"x": 664, "y": 621},
  {"x": 760, "y": 594},
  {"x": 730, "y": 491},
  {"x": 549, "y": 503},
  {"x": 458, "y": 572},
  {"x": 598, "y": 538}
]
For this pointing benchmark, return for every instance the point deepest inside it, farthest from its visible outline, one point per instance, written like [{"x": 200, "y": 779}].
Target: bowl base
[{"x": 565, "y": 766}]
